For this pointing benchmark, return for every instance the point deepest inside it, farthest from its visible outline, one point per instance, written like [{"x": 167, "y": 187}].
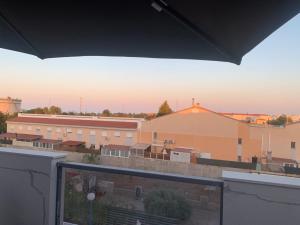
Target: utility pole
[{"x": 80, "y": 105}]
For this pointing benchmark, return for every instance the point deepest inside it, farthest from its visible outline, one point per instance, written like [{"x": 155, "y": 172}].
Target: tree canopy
[
  {"x": 281, "y": 120},
  {"x": 106, "y": 112},
  {"x": 3, "y": 118},
  {"x": 164, "y": 109},
  {"x": 46, "y": 110}
]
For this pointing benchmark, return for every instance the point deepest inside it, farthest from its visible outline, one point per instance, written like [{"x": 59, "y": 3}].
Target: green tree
[
  {"x": 167, "y": 203},
  {"x": 281, "y": 120},
  {"x": 55, "y": 110},
  {"x": 106, "y": 112},
  {"x": 3, "y": 119},
  {"x": 164, "y": 109}
]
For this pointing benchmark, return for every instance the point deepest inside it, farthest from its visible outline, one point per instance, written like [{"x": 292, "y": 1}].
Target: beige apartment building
[
  {"x": 93, "y": 131},
  {"x": 10, "y": 106},
  {"x": 279, "y": 141},
  {"x": 208, "y": 134}
]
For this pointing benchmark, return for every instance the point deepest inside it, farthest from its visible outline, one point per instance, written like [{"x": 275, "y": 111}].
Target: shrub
[{"x": 167, "y": 203}]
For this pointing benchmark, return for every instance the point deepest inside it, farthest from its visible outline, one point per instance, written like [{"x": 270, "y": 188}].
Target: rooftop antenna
[{"x": 80, "y": 105}]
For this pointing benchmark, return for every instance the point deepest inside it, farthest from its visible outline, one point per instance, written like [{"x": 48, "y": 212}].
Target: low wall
[
  {"x": 164, "y": 166},
  {"x": 28, "y": 186},
  {"x": 261, "y": 199}
]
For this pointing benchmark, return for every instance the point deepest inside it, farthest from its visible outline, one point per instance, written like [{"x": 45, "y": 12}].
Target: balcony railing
[{"x": 100, "y": 195}]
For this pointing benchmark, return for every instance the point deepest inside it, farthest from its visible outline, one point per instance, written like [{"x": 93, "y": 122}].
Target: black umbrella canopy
[{"x": 186, "y": 29}]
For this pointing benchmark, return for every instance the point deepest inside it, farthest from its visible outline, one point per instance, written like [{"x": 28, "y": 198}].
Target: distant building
[
  {"x": 10, "y": 106},
  {"x": 250, "y": 117},
  {"x": 209, "y": 134},
  {"x": 92, "y": 131}
]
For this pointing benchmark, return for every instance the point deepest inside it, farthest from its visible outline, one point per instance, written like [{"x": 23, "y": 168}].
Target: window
[
  {"x": 69, "y": 130},
  {"x": 38, "y": 130},
  {"x": 129, "y": 135},
  {"x": 293, "y": 144},
  {"x": 239, "y": 158},
  {"x": 117, "y": 134},
  {"x": 58, "y": 130},
  {"x": 92, "y": 140},
  {"x": 122, "y": 153},
  {"x": 104, "y": 134},
  {"x": 79, "y": 131},
  {"x": 29, "y": 128},
  {"x": 240, "y": 141},
  {"x": 49, "y": 134},
  {"x": 92, "y": 132},
  {"x": 154, "y": 135},
  {"x": 113, "y": 152},
  {"x": 79, "y": 137}
]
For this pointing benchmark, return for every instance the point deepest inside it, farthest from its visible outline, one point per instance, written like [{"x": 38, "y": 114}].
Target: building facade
[
  {"x": 206, "y": 133},
  {"x": 279, "y": 141},
  {"x": 10, "y": 106},
  {"x": 93, "y": 131}
]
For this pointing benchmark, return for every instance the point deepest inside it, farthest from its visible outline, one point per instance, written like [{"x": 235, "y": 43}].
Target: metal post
[
  {"x": 221, "y": 203},
  {"x": 90, "y": 217},
  {"x": 58, "y": 194}
]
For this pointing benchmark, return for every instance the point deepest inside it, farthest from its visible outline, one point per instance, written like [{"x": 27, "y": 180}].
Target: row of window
[
  {"x": 116, "y": 153},
  {"x": 42, "y": 145},
  {"x": 69, "y": 130}
]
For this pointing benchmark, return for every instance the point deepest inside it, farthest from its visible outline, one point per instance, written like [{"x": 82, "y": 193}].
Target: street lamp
[{"x": 90, "y": 197}]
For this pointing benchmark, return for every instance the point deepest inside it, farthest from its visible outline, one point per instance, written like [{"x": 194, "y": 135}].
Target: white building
[{"x": 10, "y": 106}]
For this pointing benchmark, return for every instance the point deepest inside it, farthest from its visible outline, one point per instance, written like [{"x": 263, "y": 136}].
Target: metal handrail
[{"x": 133, "y": 172}]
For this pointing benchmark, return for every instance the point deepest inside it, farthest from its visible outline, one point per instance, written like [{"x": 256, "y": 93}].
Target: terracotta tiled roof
[
  {"x": 27, "y": 137},
  {"x": 76, "y": 122},
  {"x": 116, "y": 147},
  {"x": 49, "y": 141},
  {"x": 73, "y": 143},
  {"x": 8, "y": 135}
]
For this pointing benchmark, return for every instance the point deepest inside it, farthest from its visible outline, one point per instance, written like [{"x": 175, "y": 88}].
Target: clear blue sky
[{"x": 267, "y": 81}]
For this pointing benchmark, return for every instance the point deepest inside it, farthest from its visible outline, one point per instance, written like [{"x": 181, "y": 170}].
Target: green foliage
[
  {"x": 164, "y": 109},
  {"x": 167, "y": 203},
  {"x": 51, "y": 110},
  {"x": 3, "y": 119},
  {"x": 106, "y": 112},
  {"x": 281, "y": 120},
  {"x": 76, "y": 207},
  {"x": 91, "y": 158}
]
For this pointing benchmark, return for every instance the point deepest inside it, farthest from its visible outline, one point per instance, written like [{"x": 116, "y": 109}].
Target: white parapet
[
  {"x": 262, "y": 199},
  {"x": 28, "y": 186}
]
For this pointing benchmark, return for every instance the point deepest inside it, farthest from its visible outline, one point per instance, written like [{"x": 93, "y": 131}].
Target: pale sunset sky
[{"x": 267, "y": 81}]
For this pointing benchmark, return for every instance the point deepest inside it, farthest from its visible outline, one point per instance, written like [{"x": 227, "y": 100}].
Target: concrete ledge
[{"x": 266, "y": 179}]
